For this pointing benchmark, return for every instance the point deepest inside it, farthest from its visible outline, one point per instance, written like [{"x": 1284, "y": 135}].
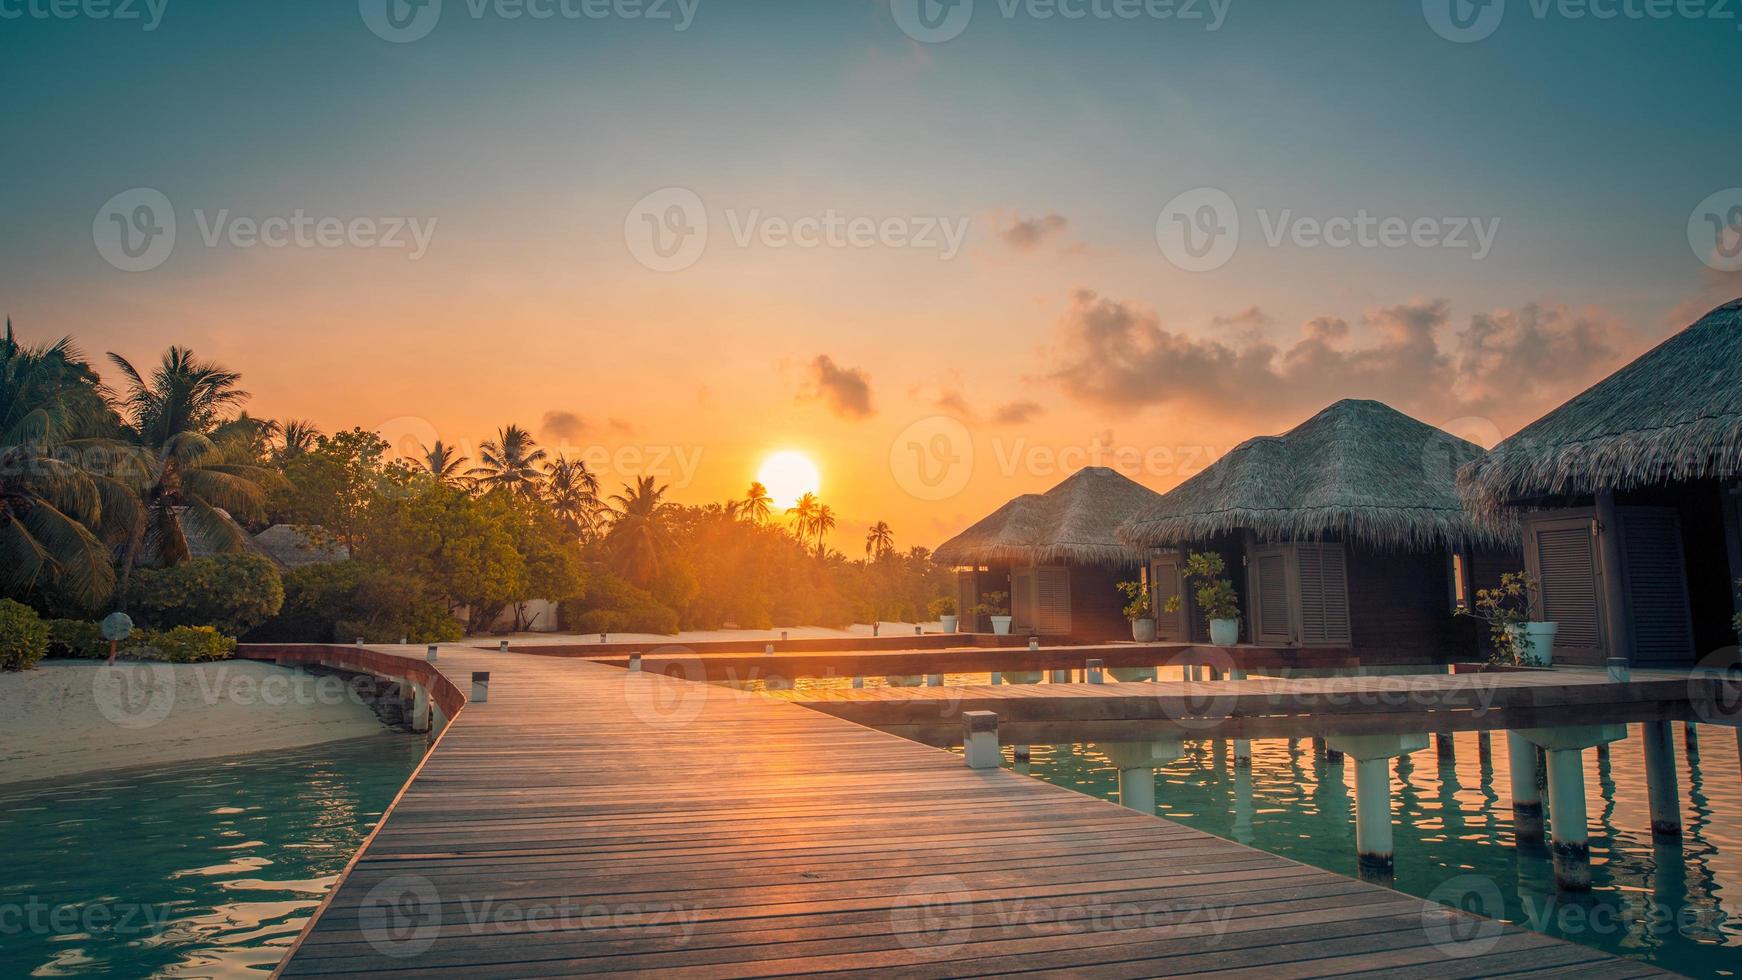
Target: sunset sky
[{"x": 533, "y": 152}]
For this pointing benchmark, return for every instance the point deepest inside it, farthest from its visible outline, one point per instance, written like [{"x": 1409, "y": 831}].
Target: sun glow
[{"x": 789, "y": 475}]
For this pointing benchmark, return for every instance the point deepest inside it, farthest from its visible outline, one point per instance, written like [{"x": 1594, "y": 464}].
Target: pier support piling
[
  {"x": 1092, "y": 672},
  {"x": 1660, "y": 775},
  {"x": 1568, "y": 834},
  {"x": 419, "y": 707},
  {"x": 1526, "y": 797},
  {"x": 1242, "y": 746},
  {"x": 1373, "y": 838},
  {"x": 1137, "y": 762}
]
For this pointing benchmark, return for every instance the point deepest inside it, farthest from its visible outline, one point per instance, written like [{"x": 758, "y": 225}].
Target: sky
[{"x": 949, "y": 252}]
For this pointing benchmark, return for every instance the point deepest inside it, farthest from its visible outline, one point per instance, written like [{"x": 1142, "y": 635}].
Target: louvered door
[
  {"x": 1022, "y": 598},
  {"x": 1561, "y": 553},
  {"x": 1164, "y": 584},
  {"x": 1052, "y": 607},
  {"x": 1656, "y": 586},
  {"x": 1323, "y": 580},
  {"x": 1271, "y": 613}
]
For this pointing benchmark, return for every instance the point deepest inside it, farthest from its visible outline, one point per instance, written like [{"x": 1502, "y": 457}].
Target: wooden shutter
[
  {"x": 1164, "y": 584},
  {"x": 1052, "y": 600},
  {"x": 1271, "y": 615},
  {"x": 1656, "y": 585},
  {"x": 1022, "y": 599},
  {"x": 967, "y": 597},
  {"x": 1324, "y": 595},
  {"x": 1561, "y": 553}
]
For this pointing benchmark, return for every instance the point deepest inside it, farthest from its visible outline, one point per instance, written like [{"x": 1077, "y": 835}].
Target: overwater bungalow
[
  {"x": 1630, "y": 497},
  {"x": 1346, "y": 531},
  {"x": 1056, "y": 556}
]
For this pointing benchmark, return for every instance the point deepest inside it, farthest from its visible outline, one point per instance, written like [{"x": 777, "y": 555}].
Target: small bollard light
[
  {"x": 480, "y": 686},
  {"x": 858, "y": 682},
  {"x": 430, "y": 654},
  {"x": 602, "y": 637},
  {"x": 917, "y": 631},
  {"x": 1620, "y": 671},
  {"x": 1033, "y": 643},
  {"x": 768, "y": 649},
  {"x": 875, "y": 627},
  {"x": 783, "y": 636},
  {"x": 404, "y": 640},
  {"x": 359, "y": 641},
  {"x": 635, "y": 662},
  {"x": 980, "y": 739},
  {"x": 1092, "y": 672},
  {"x": 502, "y": 647}
]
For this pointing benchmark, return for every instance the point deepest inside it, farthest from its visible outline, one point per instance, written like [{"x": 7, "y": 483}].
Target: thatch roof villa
[
  {"x": 1630, "y": 496},
  {"x": 1346, "y": 531},
  {"x": 1057, "y": 556}
]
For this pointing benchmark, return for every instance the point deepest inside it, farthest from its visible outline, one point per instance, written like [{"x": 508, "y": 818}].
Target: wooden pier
[{"x": 589, "y": 820}]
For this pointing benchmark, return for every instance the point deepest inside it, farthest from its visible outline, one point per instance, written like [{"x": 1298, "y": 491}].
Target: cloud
[
  {"x": 1028, "y": 234},
  {"x": 564, "y": 425},
  {"x": 620, "y": 426},
  {"x": 1017, "y": 413},
  {"x": 954, "y": 402},
  {"x": 1519, "y": 363},
  {"x": 847, "y": 391}
]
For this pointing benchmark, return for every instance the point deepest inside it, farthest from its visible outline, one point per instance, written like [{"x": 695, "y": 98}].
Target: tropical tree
[
  {"x": 510, "y": 461},
  {"x": 640, "y": 538},
  {"x": 59, "y": 492},
  {"x": 297, "y": 436},
  {"x": 823, "y": 522},
  {"x": 757, "y": 506},
  {"x": 187, "y": 479},
  {"x": 804, "y": 516},
  {"x": 443, "y": 462},
  {"x": 573, "y": 492},
  {"x": 879, "y": 542}
]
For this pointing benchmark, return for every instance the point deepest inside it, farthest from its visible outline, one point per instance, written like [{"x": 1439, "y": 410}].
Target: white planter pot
[
  {"x": 1224, "y": 632},
  {"x": 1535, "y": 643},
  {"x": 1143, "y": 630},
  {"x": 1000, "y": 625},
  {"x": 948, "y": 623}
]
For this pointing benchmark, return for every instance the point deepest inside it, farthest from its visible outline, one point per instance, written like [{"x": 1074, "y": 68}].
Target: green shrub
[
  {"x": 613, "y": 605},
  {"x": 181, "y": 645},
  {"x": 78, "y": 638},
  {"x": 231, "y": 593},
  {"x": 336, "y": 602},
  {"x": 23, "y": 636}
]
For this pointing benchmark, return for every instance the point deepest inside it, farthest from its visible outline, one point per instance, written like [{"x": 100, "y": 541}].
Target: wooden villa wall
[
  {"x": 1097, "y": 607},
  {"x": 1401, "y": 602}
]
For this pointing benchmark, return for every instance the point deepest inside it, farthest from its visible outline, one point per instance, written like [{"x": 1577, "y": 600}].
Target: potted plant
[
  {"x": 943, "y": 609},
  {"x": 1215, "y": 596},
  {"x": 995, "y": 606},
  {"x": 1519, "y": 639},
  {"x": 1139, "y": 610}
]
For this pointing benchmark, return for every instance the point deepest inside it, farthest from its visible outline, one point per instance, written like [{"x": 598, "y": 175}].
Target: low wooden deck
[
  {"x": 1268, "y": 707},
  {"x": 590, "y": 821}
]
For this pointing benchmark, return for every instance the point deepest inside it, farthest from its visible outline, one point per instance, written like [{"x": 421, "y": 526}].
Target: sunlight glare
[{"x": 789, "y": 475}]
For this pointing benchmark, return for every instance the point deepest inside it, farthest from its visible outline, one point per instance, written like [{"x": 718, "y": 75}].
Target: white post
[
  {"x": 934, "y": 680},
  {"x": 1021, "y": 754},
  {"x": 858, "y": 682},
  {"x": 635, "y": 662},
  {"x": 419, "y": 707},
  {"x": 480, "y": 686},
  {"x": 502, "y": 647},
  {"x": 1059, "y": 677},
  {"x": 1373, "y": 838},
  {"x": 980, "y": 740},
  {"x": 1034, "y": 644},
  {"x": 359, "y": 641},
  {"x": 1526, "y": 796},
  {"x": 1242, "y": 746},
  {"x": 1137, "y": 762},
  {"x": 1660, "y": 775},
  {"x": 768, "y": 649},
  {"x": 997, "y": 678},
  {"x": 430, "y": 654},
  {"x": 1092, "y": 672},
  {"x": 1567, "y": 819}
]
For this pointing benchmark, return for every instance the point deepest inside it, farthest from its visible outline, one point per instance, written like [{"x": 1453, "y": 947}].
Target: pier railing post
[
  {"x": 980, "y": 740},
  {"x": 480, "y": 686}
]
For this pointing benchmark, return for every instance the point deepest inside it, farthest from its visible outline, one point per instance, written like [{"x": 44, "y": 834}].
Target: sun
[{"x": 789, "y": 475}]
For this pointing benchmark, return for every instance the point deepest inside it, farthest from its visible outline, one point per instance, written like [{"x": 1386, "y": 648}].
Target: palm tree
[
  {"x": 757, "y": 505},
  {"x": 880, "y": 542},
  {"x": 640, "y": 530},
  {"x": 511, "y": 461},
  {"x": 573, "y": 491},
  {"x": 187, "y": 479},
  {"x": 824, "y": 522},
  {"x": 59, "y": 498},
  {"x": 298, "y": 436},
  {"x": 804, "y": 516},
  {"x": 442, "y": 462}
]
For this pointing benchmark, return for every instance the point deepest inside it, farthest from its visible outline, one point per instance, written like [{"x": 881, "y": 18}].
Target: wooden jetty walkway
[{"x": 585, "y": 820}]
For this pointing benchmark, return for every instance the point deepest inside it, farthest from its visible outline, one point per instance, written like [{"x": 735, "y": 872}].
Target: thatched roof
[
  {"x": 1074, "y": 521},
  {"x": 1675, "y": 413},
  {"x": 1359, "y": 470},
  {"x": 292, "y": 546}
]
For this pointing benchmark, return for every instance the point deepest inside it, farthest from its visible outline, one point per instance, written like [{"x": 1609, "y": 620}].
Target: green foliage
[
  {"x": 76, "y": 638},
  {"x": 993, "y": 604},
  {"x": 233, "y": 593},
  {"x": 181, "y": 645},
  {"x": 332, "y": 484},
  {"x": 337, "y": 602},
  {"x": 1137, "y": 602},
  {"x": 1506, "y": 609},
  {"x": 609, "y": 604},
  {"x": 944, "y": 605},
  {"x": 1215, "y": 595},
  {"x": 23, "y": 636}
]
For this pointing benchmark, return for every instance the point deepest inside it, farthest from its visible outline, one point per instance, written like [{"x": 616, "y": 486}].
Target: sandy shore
[
  {"x": 70, "y": 717},
  {"x": 696, "y": 636}
]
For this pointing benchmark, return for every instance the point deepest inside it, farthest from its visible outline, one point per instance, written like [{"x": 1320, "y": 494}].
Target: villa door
[
  {"x": 1165, "y": 582},
  {"x": 1655, "y": 583},
  {"x": 1560, "y": 552},
  {"x": 1040, "y": 599},
  {"x": 967, "y": 597}
]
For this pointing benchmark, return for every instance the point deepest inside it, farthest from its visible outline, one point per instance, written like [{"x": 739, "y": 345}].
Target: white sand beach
[{"x": 70, "y": 717}]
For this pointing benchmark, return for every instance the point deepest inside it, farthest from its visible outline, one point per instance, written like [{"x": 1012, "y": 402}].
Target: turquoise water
[
  {"x": 1677, "y": 906},
  {"x": 204, "y": 869}
]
